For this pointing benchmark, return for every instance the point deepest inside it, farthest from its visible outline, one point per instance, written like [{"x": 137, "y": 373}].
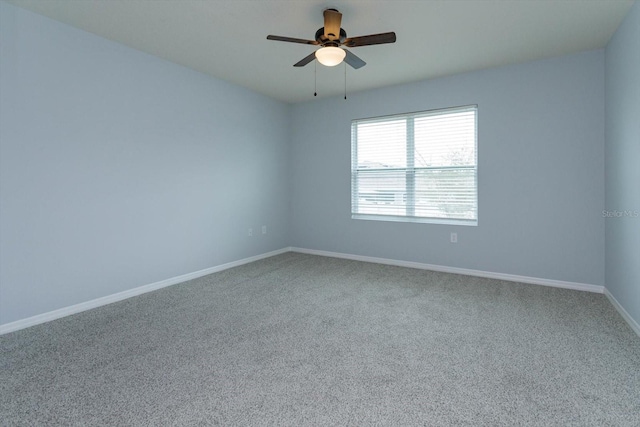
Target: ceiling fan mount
[{"x": 332, "y": 36}]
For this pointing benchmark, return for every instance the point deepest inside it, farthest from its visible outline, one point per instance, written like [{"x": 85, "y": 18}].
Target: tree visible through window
[{"x": 418, "y": 167}]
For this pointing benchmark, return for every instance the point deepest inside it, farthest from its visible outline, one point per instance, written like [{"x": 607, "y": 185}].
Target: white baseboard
[
  {"x": 625, "y": 315},
  {"x": 88, "y": 305},
  {"x": 467, "y": 272},
  {"x": 98, "y": 302}
]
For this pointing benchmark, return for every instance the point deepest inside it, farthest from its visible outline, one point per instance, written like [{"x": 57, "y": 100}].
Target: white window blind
[{"x": 419, "y": 167}]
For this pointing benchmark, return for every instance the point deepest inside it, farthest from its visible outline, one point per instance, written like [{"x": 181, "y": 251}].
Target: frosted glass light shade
[{"x": 330, "y": 56}]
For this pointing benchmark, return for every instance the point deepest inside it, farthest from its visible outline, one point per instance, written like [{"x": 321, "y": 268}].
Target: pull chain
[
  {"x": 315, "y": 77},
  {"x": 345, "y": 80}
]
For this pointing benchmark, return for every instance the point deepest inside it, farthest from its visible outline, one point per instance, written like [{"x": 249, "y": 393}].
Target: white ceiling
[{"x": 227, "y": 39}]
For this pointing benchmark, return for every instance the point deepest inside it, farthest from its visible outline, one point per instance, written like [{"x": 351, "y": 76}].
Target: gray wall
[
  {"x": 119, "y": 169},
  {"x": 623, "y": 163},
  {"x": 540, "y": 171}
]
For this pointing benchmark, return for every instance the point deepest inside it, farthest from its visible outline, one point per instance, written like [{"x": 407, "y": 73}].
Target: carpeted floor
[{"x": 305, "y": 340}]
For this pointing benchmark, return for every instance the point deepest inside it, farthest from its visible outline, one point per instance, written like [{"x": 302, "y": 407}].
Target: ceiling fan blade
[
  {"x": 381, "y": 38},
  {"x": 304, "y": 61},
  {"x": 354, "y": 60},
  {"x": 292, "y": 40},
  {"x": 332, "y": 22}
]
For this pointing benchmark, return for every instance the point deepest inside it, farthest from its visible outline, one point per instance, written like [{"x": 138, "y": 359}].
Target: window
[{"x": 417, "y": 167}]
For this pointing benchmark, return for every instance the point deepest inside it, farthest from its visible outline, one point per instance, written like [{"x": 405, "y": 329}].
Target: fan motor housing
[{"x": 324, "y": 41}]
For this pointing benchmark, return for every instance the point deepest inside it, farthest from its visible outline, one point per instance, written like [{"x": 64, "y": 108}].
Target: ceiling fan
[{"x": 331, "y": 37}]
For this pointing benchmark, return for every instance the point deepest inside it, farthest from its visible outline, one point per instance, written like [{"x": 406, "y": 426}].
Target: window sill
[{"x": 390, "y": 218}]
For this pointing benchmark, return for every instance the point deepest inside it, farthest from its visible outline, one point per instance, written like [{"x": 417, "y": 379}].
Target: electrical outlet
[
  {"x": 454, "y": 237},
  {"x": 250, "y": 232},
  {"x": 264, "y": 229}
]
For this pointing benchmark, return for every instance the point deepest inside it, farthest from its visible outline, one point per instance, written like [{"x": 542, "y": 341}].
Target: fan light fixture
[{"x": 330, "y": 56}]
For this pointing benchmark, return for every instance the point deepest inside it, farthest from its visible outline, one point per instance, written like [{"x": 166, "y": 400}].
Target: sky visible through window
[{"x": 439, "y": 141}]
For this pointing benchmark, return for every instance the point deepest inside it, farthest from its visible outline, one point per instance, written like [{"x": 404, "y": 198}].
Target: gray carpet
[{"x": 305, "y": 340}]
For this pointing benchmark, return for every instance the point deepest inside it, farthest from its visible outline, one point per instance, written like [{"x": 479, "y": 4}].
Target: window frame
[{"x": 411, "y": 169}]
